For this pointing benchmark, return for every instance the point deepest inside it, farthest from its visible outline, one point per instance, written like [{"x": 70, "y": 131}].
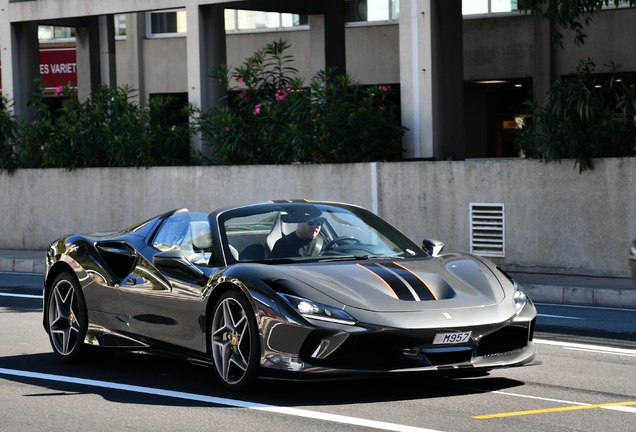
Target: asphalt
[{"x": 541, "y": 287}]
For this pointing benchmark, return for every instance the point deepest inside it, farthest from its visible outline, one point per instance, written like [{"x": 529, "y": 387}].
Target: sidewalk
[{"x": 542, "y": 288}]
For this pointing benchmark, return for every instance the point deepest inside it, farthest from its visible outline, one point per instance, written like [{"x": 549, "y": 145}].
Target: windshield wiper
[
  {"x": 269, "y": 261},
  {"x": 346, "y": 258}
]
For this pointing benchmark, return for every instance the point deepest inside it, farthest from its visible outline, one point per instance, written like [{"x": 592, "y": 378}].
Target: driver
[{"x": 303, "y": 242}]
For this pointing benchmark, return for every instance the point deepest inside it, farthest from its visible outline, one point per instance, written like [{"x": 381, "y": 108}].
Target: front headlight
[
  {"x": 311, "y": 309},
  {"x": 519, "y": 298}
]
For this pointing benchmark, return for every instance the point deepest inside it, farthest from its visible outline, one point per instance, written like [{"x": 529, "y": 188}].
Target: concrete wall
[
  {"x": 373, "y": 53},
  {"x": 556, "y": 219},
  {"x": 610, "y": 38},
  {"x": 165, "y": 58},
  {"x": 499, "y": 47}
]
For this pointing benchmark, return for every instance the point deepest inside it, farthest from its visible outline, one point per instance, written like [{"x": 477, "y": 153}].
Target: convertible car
[{"x": 284, "y": 289}]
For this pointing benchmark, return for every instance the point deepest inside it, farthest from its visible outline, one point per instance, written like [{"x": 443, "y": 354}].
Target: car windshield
[{"x": 299, "y": 232}]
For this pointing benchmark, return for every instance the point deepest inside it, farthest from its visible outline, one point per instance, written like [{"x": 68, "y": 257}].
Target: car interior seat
[{"x": 279, "y": 229}]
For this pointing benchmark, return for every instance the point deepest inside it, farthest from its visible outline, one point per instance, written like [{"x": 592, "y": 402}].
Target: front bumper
[{"x": 368, "y": 350}]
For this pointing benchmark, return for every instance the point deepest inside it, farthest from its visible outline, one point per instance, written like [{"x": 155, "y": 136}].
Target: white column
[
  {"x": 108, "y": 69},
  {"x": 6, "y": 51},
  {"x": 206, "y": 48},
  {"x": 195, "y": 52},
  {"x": 135, "y": 34},
  {"x": 20, "y": 63},
  {"x": 317, "y": 49},
  {"x": 416, "y": 77},
  {"x": 83, "y": 60}
]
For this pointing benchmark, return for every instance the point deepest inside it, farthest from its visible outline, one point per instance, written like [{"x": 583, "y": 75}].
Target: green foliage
[
  {"x": 8, "y": 135},
  {"x": 270, "y": 117},
  {"x": 105, "y": 131},
  {"x": 567, "y": 14},
  {"x": 585, "y": 116}
]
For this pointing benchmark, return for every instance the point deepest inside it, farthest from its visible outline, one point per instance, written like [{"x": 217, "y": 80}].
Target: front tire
[
  {"x": 234, "y": 341},
  {"x": 67, "y": 318}
]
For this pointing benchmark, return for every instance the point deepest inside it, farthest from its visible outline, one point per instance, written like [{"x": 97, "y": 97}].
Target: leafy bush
[
  {"x": 270, "y": 117},
  {"x": 105, "y": 131},
  {"x": 586, "y": 115},
  {"x": 8, "y": 135}
]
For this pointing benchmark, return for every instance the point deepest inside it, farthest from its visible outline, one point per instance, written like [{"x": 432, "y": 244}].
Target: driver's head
[{"x": 309, "y": 229}]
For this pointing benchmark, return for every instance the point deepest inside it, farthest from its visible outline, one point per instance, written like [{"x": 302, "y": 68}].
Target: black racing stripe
[
  {"x": 422, "y": 290},
  {"x": 401, "y": 290}
]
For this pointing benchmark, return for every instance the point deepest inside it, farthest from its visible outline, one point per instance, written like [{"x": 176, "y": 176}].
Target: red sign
[{"x": 58, "y": 67}]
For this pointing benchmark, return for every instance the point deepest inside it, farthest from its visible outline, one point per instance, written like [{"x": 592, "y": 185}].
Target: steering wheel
[{"x": 351, "y": 239}]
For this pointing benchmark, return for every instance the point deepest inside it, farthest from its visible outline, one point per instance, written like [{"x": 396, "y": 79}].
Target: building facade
[{"x": 462, "y": 69}]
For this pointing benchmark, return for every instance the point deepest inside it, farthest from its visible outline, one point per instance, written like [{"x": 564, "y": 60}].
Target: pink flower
[
  {"x": 352, "y": 83},
  {"x": 59, "y": 91},
  {"x": 220, "y": 80},
  {"x": 385, "y": 88},
  {"x": 281, "y": 94},
  {"x": 257, "y": 109},
  {"x": 42, "y": 148},
  {"x": 227, "y": 128},
  {"x": 239, "y": 78}
]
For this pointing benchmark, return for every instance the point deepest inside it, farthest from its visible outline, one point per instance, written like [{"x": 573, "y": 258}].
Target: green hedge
[
  {"x": 270, "y": 116},
  {"x": 587, "y": 115}
]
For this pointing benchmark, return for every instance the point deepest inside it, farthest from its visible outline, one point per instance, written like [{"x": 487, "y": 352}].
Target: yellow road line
[{"x": 550, "y": 410}]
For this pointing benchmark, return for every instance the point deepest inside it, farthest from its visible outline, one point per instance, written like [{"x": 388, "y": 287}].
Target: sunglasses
[{"x": 317, "y": 221}]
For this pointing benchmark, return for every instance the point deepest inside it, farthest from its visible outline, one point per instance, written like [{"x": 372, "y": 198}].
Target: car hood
[{"x": 450, "y": 281}]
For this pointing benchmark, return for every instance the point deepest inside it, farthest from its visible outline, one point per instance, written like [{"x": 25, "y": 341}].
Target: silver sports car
[{"x": 284, "y": 289}]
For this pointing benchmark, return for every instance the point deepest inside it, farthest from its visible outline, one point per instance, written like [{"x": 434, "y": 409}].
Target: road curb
[
  {"x": 22, "y": 265},
  {"x": 619, "y": 298}
]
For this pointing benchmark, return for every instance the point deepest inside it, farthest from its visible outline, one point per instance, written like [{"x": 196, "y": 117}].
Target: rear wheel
[
  {"x": 234, "y": 341},
  {"x": 67, "y": 318}
]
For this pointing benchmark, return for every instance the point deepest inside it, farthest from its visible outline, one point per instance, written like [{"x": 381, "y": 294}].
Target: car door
[{"x": 168, "y": 306}]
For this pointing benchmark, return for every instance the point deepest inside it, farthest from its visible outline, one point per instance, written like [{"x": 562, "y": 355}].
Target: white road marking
[
  {"x": 599, "y": 351},
  {"x": 622, "y": 408},
  {"x": 585, "y": 307},
  {"x": 582, "y": 347},
  {"x": 586, "y": 347},
  {"x": 559, "y": 316},
  {"x": 218, "y": 401},
  {"x": 21, "y": 295}
]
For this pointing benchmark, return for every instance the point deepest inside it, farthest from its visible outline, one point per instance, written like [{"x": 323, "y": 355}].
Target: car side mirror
[{"x": 432, "y": 247}]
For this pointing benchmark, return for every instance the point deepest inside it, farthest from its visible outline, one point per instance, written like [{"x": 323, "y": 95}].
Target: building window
[
  {"x": 173, "y": 23},
  {"x": 167, "y": 22},
  {"x": 120, "y": 25},
  {"x": 482, "y": 7},
  {"x": 47, "y": 33},
  {"x": 245, "y": 20},
  {"x": 372, "y": 10}
]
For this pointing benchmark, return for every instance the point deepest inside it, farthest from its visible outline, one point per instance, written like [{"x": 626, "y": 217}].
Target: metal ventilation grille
[{"x": 487, "y": 236}]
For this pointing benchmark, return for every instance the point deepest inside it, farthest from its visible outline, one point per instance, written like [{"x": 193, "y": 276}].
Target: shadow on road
[{"x": 179, "y": 376}]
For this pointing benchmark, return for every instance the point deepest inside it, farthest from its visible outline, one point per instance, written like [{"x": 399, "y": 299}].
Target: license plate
[{"x": 451, "y": 338}]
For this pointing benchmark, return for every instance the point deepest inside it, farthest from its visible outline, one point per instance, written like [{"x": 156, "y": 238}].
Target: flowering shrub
[
  {"x": 271, "y": 117},
  {"x": 105, "y": 131}
]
